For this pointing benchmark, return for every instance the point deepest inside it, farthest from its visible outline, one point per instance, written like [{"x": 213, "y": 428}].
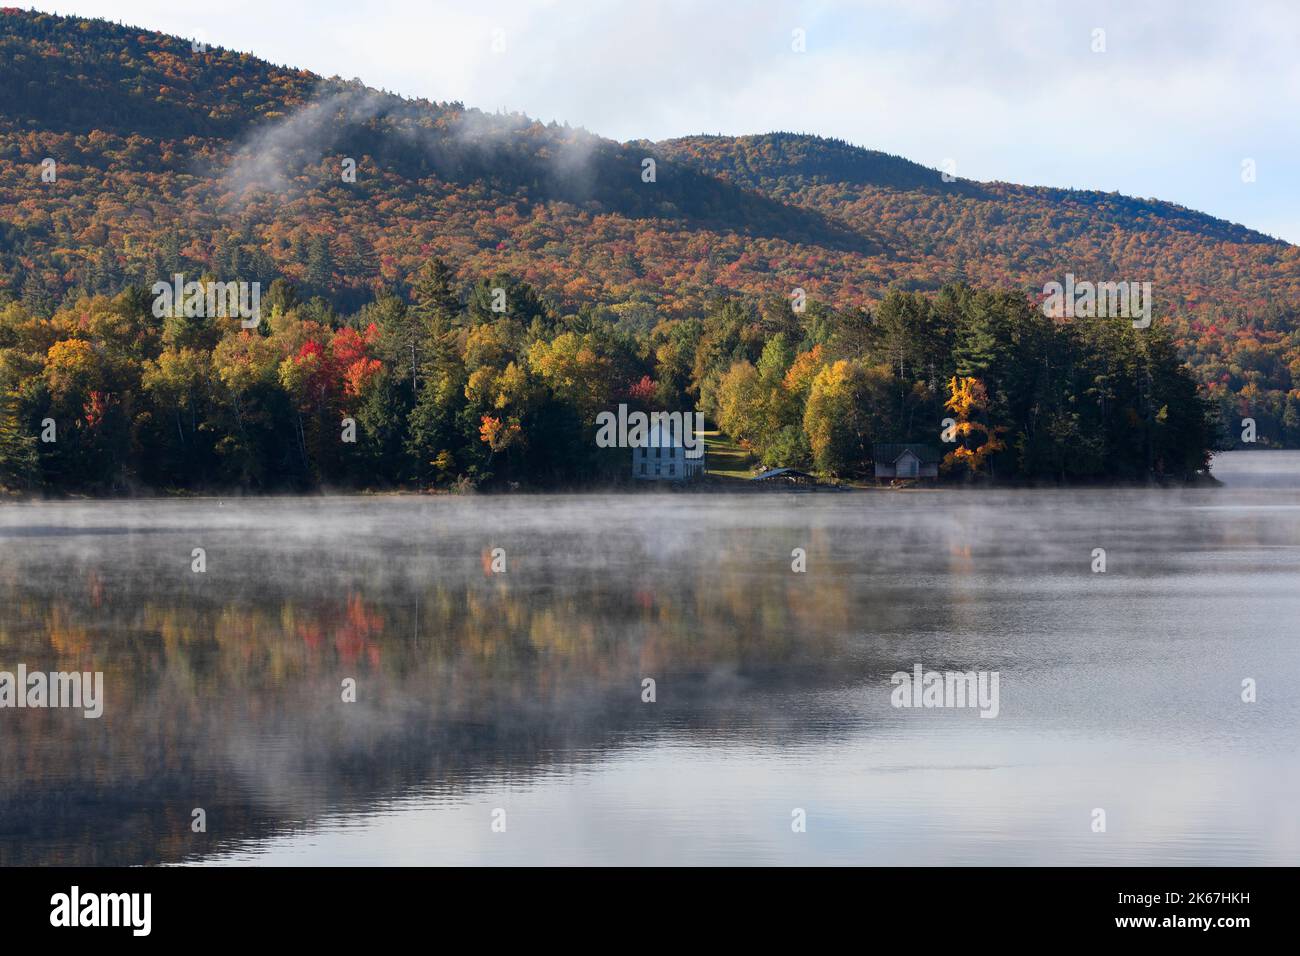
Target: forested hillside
[{"x": 128, "y": 156}]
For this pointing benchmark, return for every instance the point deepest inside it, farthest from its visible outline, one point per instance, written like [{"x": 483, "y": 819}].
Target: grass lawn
[{"x": 725, "y": 459}]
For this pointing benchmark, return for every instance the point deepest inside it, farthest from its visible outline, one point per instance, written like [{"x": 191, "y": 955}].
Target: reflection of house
[
  {"x": 906, "y": 461},
  {"x": 665, "y": 458}
]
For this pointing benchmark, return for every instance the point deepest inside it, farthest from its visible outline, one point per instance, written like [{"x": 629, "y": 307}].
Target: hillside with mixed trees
[{"x": 129, "y": 156}]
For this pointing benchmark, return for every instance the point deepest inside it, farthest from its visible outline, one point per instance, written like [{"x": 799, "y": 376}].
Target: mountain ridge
[{"x": 920, "y": 177}]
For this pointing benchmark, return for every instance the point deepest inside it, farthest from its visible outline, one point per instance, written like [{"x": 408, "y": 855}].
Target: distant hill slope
[
  {"x": 1000, "y": 231},
  {"x": 784, "y": 164},
  {"x": 171, "y": 159}
]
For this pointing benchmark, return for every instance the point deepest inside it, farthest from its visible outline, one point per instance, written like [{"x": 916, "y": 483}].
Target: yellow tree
[{"x": 966, "y": 397}]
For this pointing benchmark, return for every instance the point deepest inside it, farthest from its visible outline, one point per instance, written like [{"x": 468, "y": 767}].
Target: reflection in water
[{"x": 523, "y": 690}]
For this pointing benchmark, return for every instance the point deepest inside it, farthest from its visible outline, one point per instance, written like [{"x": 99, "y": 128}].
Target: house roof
[
  {"x": 662, "y": 433},
  {"x": 927, "y": 454},
  {"x": 792, "y": 473}
]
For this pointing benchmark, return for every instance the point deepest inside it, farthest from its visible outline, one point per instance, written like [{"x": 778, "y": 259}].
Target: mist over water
[{"x": 523, "y": 690}]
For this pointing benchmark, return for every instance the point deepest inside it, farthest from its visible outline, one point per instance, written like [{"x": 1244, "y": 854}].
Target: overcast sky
[{"x": 1183, "y": 93}]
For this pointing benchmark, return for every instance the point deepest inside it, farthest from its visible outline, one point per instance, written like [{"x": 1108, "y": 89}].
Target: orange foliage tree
[{"x": 966, "y": 397}]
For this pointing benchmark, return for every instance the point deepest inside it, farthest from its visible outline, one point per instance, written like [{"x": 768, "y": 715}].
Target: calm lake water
[{"x": 522, "y": 691}]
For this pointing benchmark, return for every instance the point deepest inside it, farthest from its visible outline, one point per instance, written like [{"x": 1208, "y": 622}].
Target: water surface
[{"x": 479, "y": 691}]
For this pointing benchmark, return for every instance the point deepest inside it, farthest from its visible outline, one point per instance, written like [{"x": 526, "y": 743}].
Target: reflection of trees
[{"x": 223, "y": 690}]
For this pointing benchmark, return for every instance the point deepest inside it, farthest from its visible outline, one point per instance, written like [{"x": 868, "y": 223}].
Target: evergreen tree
[
  {"x": 19, "y": 464},
  {"x": 403, "y": 338},
  {"x": 433, "y": 296},
  {"x": 320, "y": 265}
]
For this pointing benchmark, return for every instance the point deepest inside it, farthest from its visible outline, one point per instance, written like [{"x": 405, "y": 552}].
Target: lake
[{"x": 501, "y": 711}]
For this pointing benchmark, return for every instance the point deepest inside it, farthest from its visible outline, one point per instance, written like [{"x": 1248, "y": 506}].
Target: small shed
[{"x": 906, "y": 461}]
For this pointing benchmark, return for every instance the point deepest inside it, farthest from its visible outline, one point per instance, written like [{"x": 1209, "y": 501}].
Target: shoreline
[
  {"x": 730, "y": 487},
  {"x": 709, "y": 485}
]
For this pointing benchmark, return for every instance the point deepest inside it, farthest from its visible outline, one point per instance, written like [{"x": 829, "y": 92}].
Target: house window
[
  {"x": 659, "y": 452},
  {"x": 672, "y": 469},
  {"x": 656, "y": 471}
]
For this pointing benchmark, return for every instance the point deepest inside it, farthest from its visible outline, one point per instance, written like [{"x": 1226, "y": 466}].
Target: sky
[{"x": 1193, "y": 102}]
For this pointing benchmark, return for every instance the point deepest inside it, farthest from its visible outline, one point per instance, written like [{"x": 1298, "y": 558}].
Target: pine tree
[
  {"x": 19, "y": 465},
  {"x": 320, "y": 264},
  {"x": 433, "y": 296},
  {"x": 403, "y": 340},
  {"x": 36, "y": 296}
]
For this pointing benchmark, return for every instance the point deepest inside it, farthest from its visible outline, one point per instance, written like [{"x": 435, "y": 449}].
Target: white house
[{"x": 664, "y": 457}]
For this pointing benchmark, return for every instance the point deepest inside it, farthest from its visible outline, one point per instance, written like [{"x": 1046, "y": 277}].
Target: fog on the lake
[{"x": 500, "y": 648}]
